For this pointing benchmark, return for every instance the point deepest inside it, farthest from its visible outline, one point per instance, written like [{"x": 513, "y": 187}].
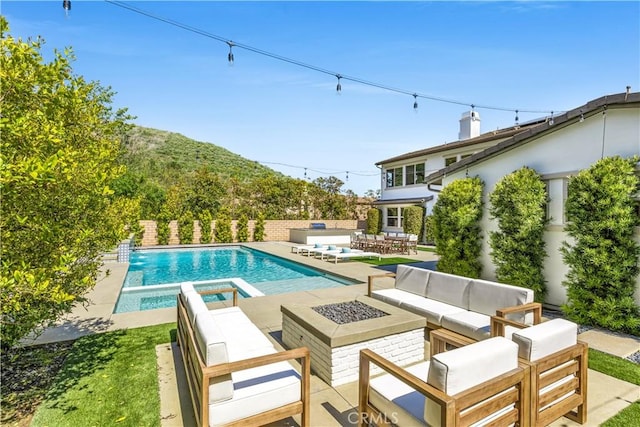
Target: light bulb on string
[
  {"x": 230, "y": 55},
  {"x": 415, "y": 102},
  {"x": 517, "y": 118},
  {"x": 347, "y": 178},
  {"x": 66, "y": 5},
  {"x": 581, "y": 116},
  {"x": 338, "y": 86},
  {"x": 551, "y": 120}
]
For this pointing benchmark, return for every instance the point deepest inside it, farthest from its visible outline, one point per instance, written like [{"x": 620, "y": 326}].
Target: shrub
[
  {"x": 429, "y": 232},
  {"x": 518, "y": 203},
  {"x": 205, "y": 219},
  {"x": 242, "y": 229},
  {"x": 603, "y": 260},
  {"x": 162, "y": 229},
  {"x": 223, "y": 227},
  {"x": 413, "y": 219},
  {"x": 456, "y": 217},
  {"x": 374, "y": 221},
  {"x": 258, "y": 230},
  {"x": 185, "y": 228}
]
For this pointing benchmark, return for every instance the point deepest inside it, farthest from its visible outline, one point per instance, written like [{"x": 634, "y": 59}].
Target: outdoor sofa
[
  {"x": 479, "y": 384},
  {"x": 459, "y": 304},
  {"x": 234, "y": 373}
]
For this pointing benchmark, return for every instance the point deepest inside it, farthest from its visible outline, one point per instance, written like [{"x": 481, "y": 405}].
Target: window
[
  {"x": 394, "y": 177},
  {"x": 394, "y": 217},
  {"x": 450, "y": 160},
  {"x": 415, "y": 174}
]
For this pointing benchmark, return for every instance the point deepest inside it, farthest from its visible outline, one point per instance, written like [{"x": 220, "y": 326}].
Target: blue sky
[{"x": 528, "y": 55}]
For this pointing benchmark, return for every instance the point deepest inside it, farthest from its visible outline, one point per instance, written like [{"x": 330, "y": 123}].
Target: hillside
[{"x": 162, "y": 156}]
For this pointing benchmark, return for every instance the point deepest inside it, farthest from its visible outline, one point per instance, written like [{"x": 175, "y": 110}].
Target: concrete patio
[{"x": 329, "y": 406}]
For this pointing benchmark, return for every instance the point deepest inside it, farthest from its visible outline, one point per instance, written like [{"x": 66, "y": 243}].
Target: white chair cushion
[
  {"x": 393, "y": 296},
  {"x": 195, "y": 306},
  {"x": 536, "y": 342},
  {"x": 186, "y": 287},
  {"x": 431, "y": 309},
  {"x": 213, "y": 349},
  {"x": 457, "y": 370},
  {"x": 468, "y": 323},
  {"x": 449, "y": 289},
  {"x": 412, "y": 279},
  {"x": 401, "y": 403},
  {"x": 257, "y": 390},
  {"x": 486, "y": 297}
]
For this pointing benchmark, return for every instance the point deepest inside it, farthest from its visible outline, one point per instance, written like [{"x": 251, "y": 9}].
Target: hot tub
[{"x": 318, "y": 233}]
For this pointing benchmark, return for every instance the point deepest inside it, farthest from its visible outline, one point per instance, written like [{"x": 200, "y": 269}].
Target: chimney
[{"x": 469, "y": 125}]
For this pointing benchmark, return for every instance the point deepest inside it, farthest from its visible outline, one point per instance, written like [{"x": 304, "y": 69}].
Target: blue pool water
[{"x": 150, "y": 271}]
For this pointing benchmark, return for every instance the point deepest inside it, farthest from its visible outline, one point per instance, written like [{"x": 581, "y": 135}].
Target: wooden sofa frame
[
  {"x": 199, "y": 375},
  {"x": 534, "y": 307},
  {"x": 574, "y": 360},
  {"x": 510, "y": 388}
]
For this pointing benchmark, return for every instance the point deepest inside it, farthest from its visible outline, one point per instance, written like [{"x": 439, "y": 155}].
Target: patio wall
[{"x": 274, "y": 230}]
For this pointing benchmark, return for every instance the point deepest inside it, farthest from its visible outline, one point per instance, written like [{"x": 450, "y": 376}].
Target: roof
[
  {"x": 485, "y": 137},
  {"x": 619, "y": 100}
]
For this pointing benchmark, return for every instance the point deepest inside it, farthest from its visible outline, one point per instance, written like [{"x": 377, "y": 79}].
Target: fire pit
[{"x": 336, "y": 331}]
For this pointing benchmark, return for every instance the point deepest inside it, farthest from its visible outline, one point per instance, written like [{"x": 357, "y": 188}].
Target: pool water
[{"x": 154, "y": 275}]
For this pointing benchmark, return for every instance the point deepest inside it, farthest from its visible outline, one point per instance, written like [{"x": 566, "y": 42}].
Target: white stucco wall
[{"x": 566, "y": 150}]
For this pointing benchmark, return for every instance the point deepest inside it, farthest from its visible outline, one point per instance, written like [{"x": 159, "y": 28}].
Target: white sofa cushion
[
  {"x": 186, "y": 287},
  {"x": 213, "y": 348},
  {"x": 431, "y": 309},
  {"x": 412, "y": 279},
  {"x": 449, "y": 289},
  {"x": 195, "y": 306},
  {"x": 468, "y": 323},
  {"x": 257, "y": 390},
  {"x": 486, "y": 297},
  {"x": 394, "y": 296},
  {"x": 536, "y": 342},
  {"x": 401, "y": 403},
  {"x": 457, "y": 370}
]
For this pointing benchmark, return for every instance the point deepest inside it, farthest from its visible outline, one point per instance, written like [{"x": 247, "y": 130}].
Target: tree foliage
[
  {"x": 205, "y": 219},
  {"x": 242, "y": 228},
  {"x": 185, "y": 228},
  {"x": 518, "y": 203},
  {"x": 59, "y": 150},
  {"x": 374, "y": 221},
  {"x": 603, "y": 258},
  {"x": 258, "y": 229},
  {"x": 223, "y": 226},
  {"x": 456, "y": 217},
  {"x": 413, "y": 220}
]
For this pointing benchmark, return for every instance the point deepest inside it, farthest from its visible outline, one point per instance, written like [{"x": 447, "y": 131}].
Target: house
[
  {"x": 403, "y": 176},
  {"x": 557, "y": 149}
]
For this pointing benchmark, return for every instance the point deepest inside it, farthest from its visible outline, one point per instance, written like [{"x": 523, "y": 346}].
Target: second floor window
[
  {"x": 394, "y": 177},
  {"x": 415, "y": 174}
]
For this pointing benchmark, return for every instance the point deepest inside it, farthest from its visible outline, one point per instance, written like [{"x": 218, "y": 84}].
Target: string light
[
  {"x": 517, "y": 119},
  {"x": 230, "y": 56},
  {"x": 66, "y": 5},
  {"x": 415, "y": 102},
  {"x": 581, "y": 116},
  {"x": 551, "y": 121},
  {"x": 310, "y": 66}
]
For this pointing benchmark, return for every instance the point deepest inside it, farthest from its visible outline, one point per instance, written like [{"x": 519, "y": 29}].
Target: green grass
[
  {"x": 629, "y": 416},
  {"x": 108, "y": 379},
  {"x": 427, "y": 249},
  {"x": 614, "y": 366},
  {"x": 385, "y": 261}
]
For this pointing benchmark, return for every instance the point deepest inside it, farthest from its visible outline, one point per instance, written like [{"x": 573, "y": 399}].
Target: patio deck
[{"x": 329, "y": 406}]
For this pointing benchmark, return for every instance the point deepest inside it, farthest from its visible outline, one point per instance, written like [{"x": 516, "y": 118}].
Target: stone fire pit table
[{"x": 397, "y": 335}]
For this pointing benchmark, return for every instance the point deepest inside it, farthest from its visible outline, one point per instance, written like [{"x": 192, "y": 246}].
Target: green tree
[
  {"x": 185, "y": 228},
  {"x": 456, "y": 217},
  {"x": 374, "y": 221},
  {"x": 59, "y": 150},
  {"x": 162, "y": 227},
  {"x": 258, "y": 229},
  {"x": 327, "y": 199},
  {"x": 223, "y": 226},
  {"x": 518, "y": 203},
  {"x": 603, "y": 258},
  {"x": 242, "y": 228},
  {"x": 205, "y": 219},
  {"x": 413, "y": 218}
]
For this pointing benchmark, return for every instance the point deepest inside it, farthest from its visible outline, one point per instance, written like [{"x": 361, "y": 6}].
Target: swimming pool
[{"x": 155, "y": 274}]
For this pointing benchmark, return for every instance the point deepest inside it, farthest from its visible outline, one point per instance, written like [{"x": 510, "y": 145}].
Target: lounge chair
[
  {"x": 482, "y": 383},
  {"x": 558, "y": 364},
  {"x": 331, "y": 249},
  {"x": 306, "y": 249},
  {"x": 347, "y": 253}
]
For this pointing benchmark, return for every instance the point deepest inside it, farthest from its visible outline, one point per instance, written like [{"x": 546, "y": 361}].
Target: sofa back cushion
[
  {"x": 412, "y": 279},
  {"x": 457, "y": 370},
  {"x": 213, "y": 349},
  {"x": 449, "y": 288},
  {"x": 195, "y": 306},
  {"x": 486, "y": 297},
  {"x": 536, "y": 342}
]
